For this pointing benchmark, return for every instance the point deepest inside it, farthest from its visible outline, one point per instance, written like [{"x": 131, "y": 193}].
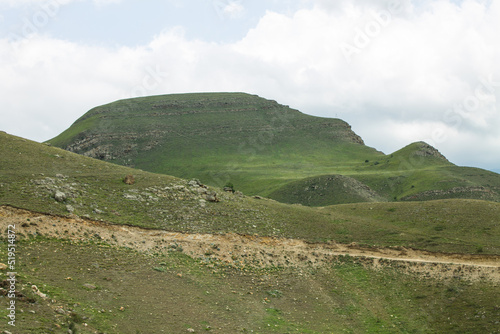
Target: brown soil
[{"x": 253, "y": 251}]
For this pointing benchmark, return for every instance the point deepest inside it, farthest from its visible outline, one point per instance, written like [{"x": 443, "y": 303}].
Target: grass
[
  {"x": 263, "y": 148},
  {"x": 32, "y": 172},
  {"x": 456, "y": 226},
  {"x": 172, "y": 292},
  {"x": 344, "y": 296}
]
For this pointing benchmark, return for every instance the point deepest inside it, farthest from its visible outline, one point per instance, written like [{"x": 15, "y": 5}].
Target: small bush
[
  {"x": 160, "y": 269},
  {"x": 275, "y": 293}
]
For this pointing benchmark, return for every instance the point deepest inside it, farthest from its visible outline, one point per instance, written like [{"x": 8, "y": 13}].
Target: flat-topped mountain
[{"x": 262, "y": 147}]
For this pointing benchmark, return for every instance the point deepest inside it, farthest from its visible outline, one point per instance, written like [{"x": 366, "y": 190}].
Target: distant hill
[{"x": 262, "y": 147}]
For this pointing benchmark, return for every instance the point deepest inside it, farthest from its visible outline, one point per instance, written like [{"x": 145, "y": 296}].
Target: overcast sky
[{"x": 398, "y": 71}]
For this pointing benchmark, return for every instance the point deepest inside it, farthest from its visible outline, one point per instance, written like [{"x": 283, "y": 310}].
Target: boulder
[
  {"x": 129, "y": 179},
  {"x": 38, "y": 292},
  {"x": 194, "y": 183},
  {"x": 202, "y": 190},
  {"x": 60, "y": 196},
  {"x": 211, "y": 197}
]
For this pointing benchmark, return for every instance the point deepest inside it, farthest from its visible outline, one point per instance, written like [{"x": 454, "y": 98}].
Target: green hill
[
  {"x": 264, "y": 148},
  {"x": 140, "y": 257},
  {"x": 94, "y": 285},
  {"x": 256, "y": 144},
  {"x": 33, "y": 173}
]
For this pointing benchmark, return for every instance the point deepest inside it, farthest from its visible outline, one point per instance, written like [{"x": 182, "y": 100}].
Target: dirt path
[{"x": 245, "y": 250}]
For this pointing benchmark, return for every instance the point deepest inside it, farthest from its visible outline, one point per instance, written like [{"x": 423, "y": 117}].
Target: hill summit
[
  {"x": 260, "y": 147},
  {"x": 229, "y": 122}
]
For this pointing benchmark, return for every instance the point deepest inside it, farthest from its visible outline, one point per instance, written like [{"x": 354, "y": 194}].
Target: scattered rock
[
  {"x": 60, "y": 311},
  {"x": 129, "y": 179},
  {"x": 131, "y": 197},
  {"x": 89, "y": 286},
  {"x": 38, "y": 292},
  {"x": 70, "y": 208},
  {"x": 190, "y": 330},
  {"x": 3, "y": 266},
  {"x": 194, "y": 183},
  {"x": 212, "y": 197},
  {"x": 202, "y": 191},
  {"x": 60, "y": 196}
]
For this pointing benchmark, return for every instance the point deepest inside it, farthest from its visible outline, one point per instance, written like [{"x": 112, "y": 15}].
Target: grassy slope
[
  {"x": 261, "y": 147},
  {"x": 341, "y": 297},
  {"x": 254, "y": 143},
  {"x": 407, "y": 176},
  {"x": 28, "y": 179},
  {"x": 137, "y": 293}
]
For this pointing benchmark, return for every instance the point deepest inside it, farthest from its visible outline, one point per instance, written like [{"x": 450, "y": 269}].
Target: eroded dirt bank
[{"x": 255, "y": 251}]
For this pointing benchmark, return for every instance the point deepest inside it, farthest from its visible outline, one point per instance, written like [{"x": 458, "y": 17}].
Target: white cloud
[
  {"x": 427, "y": 72},
  {"x": 101, "y": 3},
  {"x": 19, "y": 3},
  {"x": 234, "y": 9}
]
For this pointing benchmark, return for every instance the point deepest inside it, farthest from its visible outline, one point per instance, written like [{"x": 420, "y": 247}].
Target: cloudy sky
[{"x": 398, "y": 71}]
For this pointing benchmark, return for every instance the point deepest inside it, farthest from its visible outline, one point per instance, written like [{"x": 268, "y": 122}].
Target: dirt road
[{"x": 245, "y": 250}]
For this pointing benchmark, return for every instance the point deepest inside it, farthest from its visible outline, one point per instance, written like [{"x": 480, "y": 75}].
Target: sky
[{"x": 398, "y": 71}]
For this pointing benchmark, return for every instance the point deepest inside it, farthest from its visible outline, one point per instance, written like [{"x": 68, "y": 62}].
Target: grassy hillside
[
  {"x": 96, "y": 288},
  {"x": 256, "y": 144},
  {"x": 32, "y": 173},
  {"x": 93, "y": 286},
  {"x": 265, "y": 148}
]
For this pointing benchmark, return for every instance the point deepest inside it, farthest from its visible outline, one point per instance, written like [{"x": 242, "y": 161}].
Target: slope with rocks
[
  {"x": 78, "y": 275},
  {"x": 249, "y": 250},
  {"x": 188, "y": 257},
  {"x": 50, "y": 180}
]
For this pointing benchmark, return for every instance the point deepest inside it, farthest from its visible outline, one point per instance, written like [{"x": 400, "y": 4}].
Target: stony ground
[{"x": 249, "y": 250}]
